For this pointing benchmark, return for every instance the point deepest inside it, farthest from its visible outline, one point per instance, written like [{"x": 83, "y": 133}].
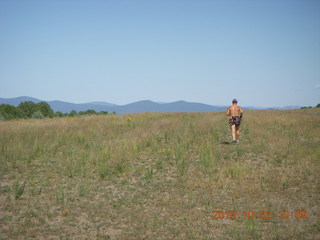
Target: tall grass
[{"x": 158, "y": 176}]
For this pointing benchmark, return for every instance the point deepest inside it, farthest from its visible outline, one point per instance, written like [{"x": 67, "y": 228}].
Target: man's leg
[
  {"x": 233, "y": 129},
  {"x": 238, "y": 132}
]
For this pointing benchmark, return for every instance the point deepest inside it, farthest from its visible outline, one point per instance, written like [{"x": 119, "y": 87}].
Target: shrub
[
  {"x": 58, "y": 114},
  {"x": 37, "y": 114},
  {"x": 73, "y": 113}
]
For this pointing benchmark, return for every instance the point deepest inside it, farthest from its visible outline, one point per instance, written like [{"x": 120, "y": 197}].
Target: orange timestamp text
[{"x": 259, "y": 214}]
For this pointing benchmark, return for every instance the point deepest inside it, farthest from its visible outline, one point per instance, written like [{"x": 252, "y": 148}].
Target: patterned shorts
[{"x": 235, "y": 121}]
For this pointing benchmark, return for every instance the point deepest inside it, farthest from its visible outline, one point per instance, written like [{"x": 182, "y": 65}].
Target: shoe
[
  {"x": 238, "y": 141},
  {"x": 234, "y": 141}
]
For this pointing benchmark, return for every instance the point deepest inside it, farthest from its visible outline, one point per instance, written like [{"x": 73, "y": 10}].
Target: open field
[{"x": 160, "y": 176}]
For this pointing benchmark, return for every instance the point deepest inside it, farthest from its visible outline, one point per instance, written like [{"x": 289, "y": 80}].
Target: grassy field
[{"x": 160, "y": 176}]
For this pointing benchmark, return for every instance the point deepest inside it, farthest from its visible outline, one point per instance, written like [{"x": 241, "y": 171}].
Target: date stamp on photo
[{"x": 267, "y": 215}]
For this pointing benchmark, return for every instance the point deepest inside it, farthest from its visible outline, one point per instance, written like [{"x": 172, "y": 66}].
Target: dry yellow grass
[{"x": 159, "y": 176}]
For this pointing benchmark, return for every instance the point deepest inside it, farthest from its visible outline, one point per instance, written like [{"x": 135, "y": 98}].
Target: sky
[{"x": 265, "y": 53}]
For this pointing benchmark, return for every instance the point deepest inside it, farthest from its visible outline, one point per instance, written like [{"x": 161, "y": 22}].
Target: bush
[
  {"x": 73, "y": 113},
  {"x": 9, "y": 112},
  {"x": 58, "y": 114},
  {"x": 37, "y": 114},
  {"x": 103, "y": 113},
  {"x": 88, "y": 112}
]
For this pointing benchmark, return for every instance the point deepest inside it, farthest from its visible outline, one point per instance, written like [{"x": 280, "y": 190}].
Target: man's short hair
[{"x": 234, "y": 101}]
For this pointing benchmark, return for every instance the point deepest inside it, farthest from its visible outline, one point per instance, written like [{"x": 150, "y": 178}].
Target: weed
[
  {"x": 5, "y": 189},
  {"x": 159, "y": 164},
  {"x": 103, "y": 171},
  {"x": 252, "y": 228},
  {"x": 149, "y": 174},
  {"x": 82, "y": 189},
  {"x": 60, "y": 198},
  {"x": 19, "y": 189},
  {"x": 181, "y": 166},
  {"x": 120, "y": 167}
]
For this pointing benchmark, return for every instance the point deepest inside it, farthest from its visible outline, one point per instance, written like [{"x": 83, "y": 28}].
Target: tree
[
  {"x": 90, "y": 112},
  {"x": 73, "y": 113},
  {"x": 9, "y": 112},
  {"x": 318, "y": 106},
  {"x": 58, "y": 114},
  {"x": 103, "y": 113},
  {"x": 27, "y": 109},
  {"x": 45, "y": 109}
]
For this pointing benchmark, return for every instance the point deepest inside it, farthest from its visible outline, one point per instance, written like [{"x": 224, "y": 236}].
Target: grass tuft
[{"x": 19, "y": 190}]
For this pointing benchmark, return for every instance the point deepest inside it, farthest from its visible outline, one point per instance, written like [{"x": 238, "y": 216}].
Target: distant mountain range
[{"x": 136, "y": 107}]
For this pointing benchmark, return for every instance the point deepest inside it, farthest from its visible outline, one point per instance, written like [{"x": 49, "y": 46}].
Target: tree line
[
  {"x": 305, "y": 107},
  {"x": 39, "y": 110}
]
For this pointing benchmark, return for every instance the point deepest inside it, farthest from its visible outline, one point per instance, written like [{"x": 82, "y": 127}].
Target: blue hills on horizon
[{"x": 135, "y": 107}]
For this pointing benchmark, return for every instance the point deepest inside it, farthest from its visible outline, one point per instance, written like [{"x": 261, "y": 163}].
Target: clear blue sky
[{"x": 264, "y": 53}]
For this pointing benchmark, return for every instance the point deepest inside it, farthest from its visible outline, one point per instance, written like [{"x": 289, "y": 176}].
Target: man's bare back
[{"x": 234, "y": 111}]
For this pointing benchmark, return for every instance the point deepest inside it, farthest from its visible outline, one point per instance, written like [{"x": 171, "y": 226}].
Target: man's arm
[
  {"x": 228, "y": 111},
  {"x": 241, "y": 112}
]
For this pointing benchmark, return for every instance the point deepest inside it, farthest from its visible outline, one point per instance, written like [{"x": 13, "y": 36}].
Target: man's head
[{"x": 234, "y": 101}]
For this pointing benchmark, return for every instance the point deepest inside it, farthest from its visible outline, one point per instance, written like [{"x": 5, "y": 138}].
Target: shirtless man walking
[{"x": 235, "y": 113}]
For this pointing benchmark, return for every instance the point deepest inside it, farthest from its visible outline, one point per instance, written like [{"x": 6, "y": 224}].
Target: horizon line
[{"x": 159, "y": 102}]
